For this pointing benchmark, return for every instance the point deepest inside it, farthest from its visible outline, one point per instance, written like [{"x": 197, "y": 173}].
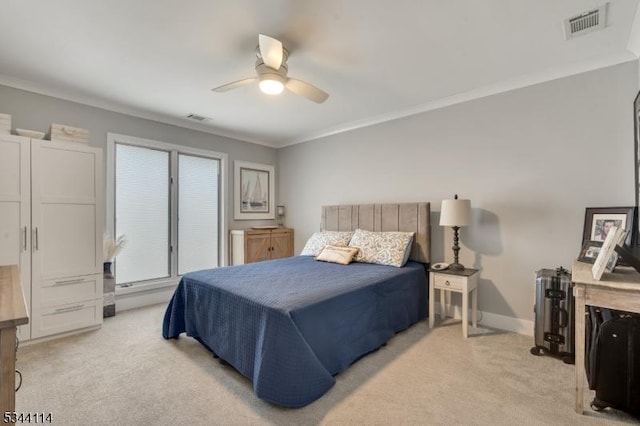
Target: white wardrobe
[{"x": 51, "y": 221}]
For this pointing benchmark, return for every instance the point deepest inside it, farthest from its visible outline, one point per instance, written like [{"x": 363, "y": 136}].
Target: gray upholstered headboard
[{"x": 408, "y": 217}]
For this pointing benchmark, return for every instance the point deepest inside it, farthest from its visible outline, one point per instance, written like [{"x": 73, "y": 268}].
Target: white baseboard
[
  {"x": 143, "y": 298},
  {"x": 502, "y": 322},
  {"x": 488, "y": 319}
]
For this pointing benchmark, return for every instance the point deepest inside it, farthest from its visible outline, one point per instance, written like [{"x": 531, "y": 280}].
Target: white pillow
[
  {"x": 337, "y": 254},
  {"x": 319, "y": 240},
  {"x": 383, "y": 248}
]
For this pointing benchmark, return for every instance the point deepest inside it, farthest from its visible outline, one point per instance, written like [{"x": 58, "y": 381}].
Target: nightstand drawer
[{"x": 448, "y": 282}]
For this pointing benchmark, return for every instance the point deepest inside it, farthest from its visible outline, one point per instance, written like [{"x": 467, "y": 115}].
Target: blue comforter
[{"x": 291, "y": 324}]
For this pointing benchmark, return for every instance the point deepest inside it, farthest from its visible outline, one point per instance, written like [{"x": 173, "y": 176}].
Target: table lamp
[
  {"x": 455, "y": 213},
  {"x": 280, "y": 212}
]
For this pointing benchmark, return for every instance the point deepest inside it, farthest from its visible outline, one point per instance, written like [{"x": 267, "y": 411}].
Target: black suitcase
[
  {"x": 595, "y": 317},
  {"x": 554, "y": 330},
  {"x": 616, "y": 374}
]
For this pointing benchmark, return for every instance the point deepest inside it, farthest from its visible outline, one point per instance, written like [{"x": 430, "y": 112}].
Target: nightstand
[{"x": 464, "y": 282}]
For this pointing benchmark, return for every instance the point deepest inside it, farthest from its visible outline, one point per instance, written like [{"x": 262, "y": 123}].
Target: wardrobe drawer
[
  {"x": 58, "y": 319},
  {"x": 63, "y": 291}
]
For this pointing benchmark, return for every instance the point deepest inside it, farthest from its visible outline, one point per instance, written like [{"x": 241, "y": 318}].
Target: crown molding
[
  {"x": 477, "y": 93},
  {"x": 633, "y": 44},
  {"x": 69, "y": 95}
]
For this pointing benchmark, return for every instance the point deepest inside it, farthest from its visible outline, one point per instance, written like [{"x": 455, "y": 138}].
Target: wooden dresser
[
  {"x": 255, "y": 245},
  {"x": 13, "y": 312},
  {"x": 618, "y": 290}
]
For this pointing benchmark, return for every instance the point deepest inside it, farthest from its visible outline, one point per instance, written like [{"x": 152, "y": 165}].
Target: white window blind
[
  {"x": 142, "y": 213},
  {"x": 197, "y": 213},
  {"x": 167, "y": 200}
]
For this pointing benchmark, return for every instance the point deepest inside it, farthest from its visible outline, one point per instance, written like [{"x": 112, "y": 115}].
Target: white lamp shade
[
  {"x": 455, "y": 213},
  {"x": 271, "y": 87},
  {"x": 280, "y": 210}
]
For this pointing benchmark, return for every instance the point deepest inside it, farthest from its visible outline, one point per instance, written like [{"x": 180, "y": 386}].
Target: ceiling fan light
[{"x": 271, "y": 87}]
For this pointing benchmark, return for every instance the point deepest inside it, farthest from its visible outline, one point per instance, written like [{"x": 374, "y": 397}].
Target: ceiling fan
[{"x": 271, "y": 70}]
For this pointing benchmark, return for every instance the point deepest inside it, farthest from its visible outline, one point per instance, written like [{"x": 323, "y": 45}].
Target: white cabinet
[{"x": 51, "y": 219}]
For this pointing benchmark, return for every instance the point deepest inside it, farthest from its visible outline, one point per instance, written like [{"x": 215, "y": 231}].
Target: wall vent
[
  {"x": 592, "y": 20},
  {"x": 197, "y": 117}
]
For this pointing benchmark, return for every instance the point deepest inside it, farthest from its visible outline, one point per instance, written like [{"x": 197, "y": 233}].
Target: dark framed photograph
[
  {"x": 636, "y": 168},
  {"x": 598, "y": 221},
  {"x": 591, "y": 250}
]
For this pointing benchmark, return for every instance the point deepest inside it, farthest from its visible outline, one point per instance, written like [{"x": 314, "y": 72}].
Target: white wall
[
  {"x": 530, "y": 160},
  {"x": 36, "y": 112}
]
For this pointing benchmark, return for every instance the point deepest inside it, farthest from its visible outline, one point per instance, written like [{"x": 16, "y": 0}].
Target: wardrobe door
[
  {"x": 67, "y": 214},
  {"x": 15, "y": 243},
  {"x": 67, "y": 218}
]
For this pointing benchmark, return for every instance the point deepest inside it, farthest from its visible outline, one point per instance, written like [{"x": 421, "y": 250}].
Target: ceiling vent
[
  {"x": 593, "y": 20},
  {"x": 196, "y": 117}
]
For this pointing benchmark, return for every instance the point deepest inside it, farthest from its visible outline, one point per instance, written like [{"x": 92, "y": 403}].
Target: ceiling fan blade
[
  {"x": 234, "y": 85},
  {"x": 271, "y": 51},
  {"x": 306, "y": 90}
]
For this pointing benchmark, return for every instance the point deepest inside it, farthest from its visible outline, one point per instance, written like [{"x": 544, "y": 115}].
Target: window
[
  {"x": 197, "y": 213},
  {"x": 167, "y": 200},
  {"x": 142, "y": 213}
]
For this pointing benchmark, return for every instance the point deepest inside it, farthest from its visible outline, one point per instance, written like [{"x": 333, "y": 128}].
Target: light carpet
[{"x": 126, "y": 374}]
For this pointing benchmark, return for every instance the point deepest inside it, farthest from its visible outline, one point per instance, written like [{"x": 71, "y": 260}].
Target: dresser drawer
[
  {"x": 63, "y": 291},
  {"x": 58, "y": 319},
  {"x": 449, "y": 282}
]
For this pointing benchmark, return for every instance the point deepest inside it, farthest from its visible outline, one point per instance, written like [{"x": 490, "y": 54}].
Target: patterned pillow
[
  {"x": 320, "y": 239},
  {"x": 337, "y": 254},
  {"x": 383, "y": 248}
]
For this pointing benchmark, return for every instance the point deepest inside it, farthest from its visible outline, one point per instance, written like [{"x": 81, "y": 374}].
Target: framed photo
[
  {"x": 636, "y": 168},
  {"x": 254, "y": 191},
  {"x": 591, "y": 250},
  {"x": 598, "y": 221},
  {"x": 606, "y": 255}
]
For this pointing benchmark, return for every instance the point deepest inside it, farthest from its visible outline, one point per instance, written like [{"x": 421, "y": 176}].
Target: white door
[
  {"x": 15, "y": 227},
  {"x": 66, "y": 192}
]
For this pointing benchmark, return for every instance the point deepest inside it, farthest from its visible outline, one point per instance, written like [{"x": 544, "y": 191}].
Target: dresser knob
[{"x": 446, "y": 283}]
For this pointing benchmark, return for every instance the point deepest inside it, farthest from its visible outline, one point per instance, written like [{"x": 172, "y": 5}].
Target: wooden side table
[
  {"x": 13, "y": 312},
  {"x": 464, "y": 282},
  {"x": 619, "y": 290}
]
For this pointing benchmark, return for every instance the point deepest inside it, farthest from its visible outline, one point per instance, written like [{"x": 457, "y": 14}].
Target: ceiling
[{"x": 377, "y": 59}]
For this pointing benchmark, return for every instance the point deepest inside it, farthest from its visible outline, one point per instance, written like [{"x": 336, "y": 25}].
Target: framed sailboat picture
[{"x": 254, "y": 194}]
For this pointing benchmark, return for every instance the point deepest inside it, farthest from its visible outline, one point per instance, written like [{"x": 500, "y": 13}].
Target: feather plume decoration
[{"x": 112, "y": 247}]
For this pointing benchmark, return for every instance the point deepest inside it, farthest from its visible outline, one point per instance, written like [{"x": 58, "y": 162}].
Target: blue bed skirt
[{"x": 290, "y": 325}]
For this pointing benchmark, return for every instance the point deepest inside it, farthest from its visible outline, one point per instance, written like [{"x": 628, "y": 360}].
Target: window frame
[{"x": 174, "y": 150}]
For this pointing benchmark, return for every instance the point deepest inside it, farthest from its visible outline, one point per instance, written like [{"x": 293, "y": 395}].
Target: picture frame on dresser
[
  {"x": 254, "y": 191},
  {"x": 607, "y": 252},
  {"x": 591, "y": 250},
  {"x": 598, "y": 220}
]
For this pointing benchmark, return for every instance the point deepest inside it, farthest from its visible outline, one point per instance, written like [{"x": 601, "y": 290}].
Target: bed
[{"x": 290, "y": 325}]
